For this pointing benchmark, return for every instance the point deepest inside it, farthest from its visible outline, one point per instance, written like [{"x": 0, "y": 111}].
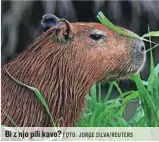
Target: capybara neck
[{"x": 61, "y": 76}]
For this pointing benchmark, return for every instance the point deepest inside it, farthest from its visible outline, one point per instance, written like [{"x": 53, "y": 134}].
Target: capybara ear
[
  {"x": 48, "y": 21},
  {"x": 64, "y": 32}
]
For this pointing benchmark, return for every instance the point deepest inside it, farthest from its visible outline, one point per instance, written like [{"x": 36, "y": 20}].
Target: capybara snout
[{"x": 63, "y": 64}]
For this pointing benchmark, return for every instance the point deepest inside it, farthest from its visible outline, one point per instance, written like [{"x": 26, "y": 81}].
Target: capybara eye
[{"x": 97, "y": 35}]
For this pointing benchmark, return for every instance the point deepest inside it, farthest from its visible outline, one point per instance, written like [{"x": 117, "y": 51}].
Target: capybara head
[
  {"x": 101, "y": 50},
  {"x": 64, "y": 62}
]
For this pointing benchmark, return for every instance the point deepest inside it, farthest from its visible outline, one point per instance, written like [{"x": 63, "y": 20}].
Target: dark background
[{"x": 21, "y": 23}]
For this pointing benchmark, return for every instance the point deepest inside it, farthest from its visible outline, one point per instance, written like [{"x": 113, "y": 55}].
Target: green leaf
[
  {"x": 157, "y": 69},
  {"x": 127, "y": 99},
  {"x": 118, "y": 88},
  {"x": 145, "y": 82},
  {"x": 124, "y": 32},
  {"x": 109, "y": 91},
  {"x": 110, "y": 25},
  {"x": 99, "y": 93},
  {"x": 143, "y": 92},
  {"x": 93, "y": 94},
  {"x": 9, "y": 118},
  {"x": 152, "y": 34},
  {"x": 152, "y": 69}
]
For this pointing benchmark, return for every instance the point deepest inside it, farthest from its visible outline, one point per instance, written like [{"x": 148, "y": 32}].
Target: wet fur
[{"x": 63, "y": 73}]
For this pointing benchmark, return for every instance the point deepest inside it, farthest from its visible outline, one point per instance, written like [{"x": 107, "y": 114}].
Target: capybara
[{"x": 63, "y": 63}]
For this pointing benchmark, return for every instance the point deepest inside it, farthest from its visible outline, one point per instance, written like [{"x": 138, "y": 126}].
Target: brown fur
[{"x": 63, "y": 73}]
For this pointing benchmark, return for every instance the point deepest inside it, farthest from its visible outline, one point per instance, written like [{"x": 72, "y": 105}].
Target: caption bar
[{"x": 73, "y": 133}]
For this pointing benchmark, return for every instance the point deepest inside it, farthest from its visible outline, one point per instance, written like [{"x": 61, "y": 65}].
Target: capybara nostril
[
  {"x": 142, "y": 48},
  {"x": 139, "y": 46}
]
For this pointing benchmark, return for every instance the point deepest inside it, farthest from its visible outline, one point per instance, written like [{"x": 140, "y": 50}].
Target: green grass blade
[
  {"x": 99, "y": 93},
  {"x": 127, "y": 100},
  {"x": 109, "y": 91},
  {"x": 151, "y": 34},
  {"x": 93, "y": 94},
  {"x": 124, "y": 32},
  {"x": 144, "y": 93},
  {"x": 110, "y": 25},
  {"x": 9, "y": 118},
  {"x": 157, "y": 69},
  {"x": 118, "y": 88}
]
